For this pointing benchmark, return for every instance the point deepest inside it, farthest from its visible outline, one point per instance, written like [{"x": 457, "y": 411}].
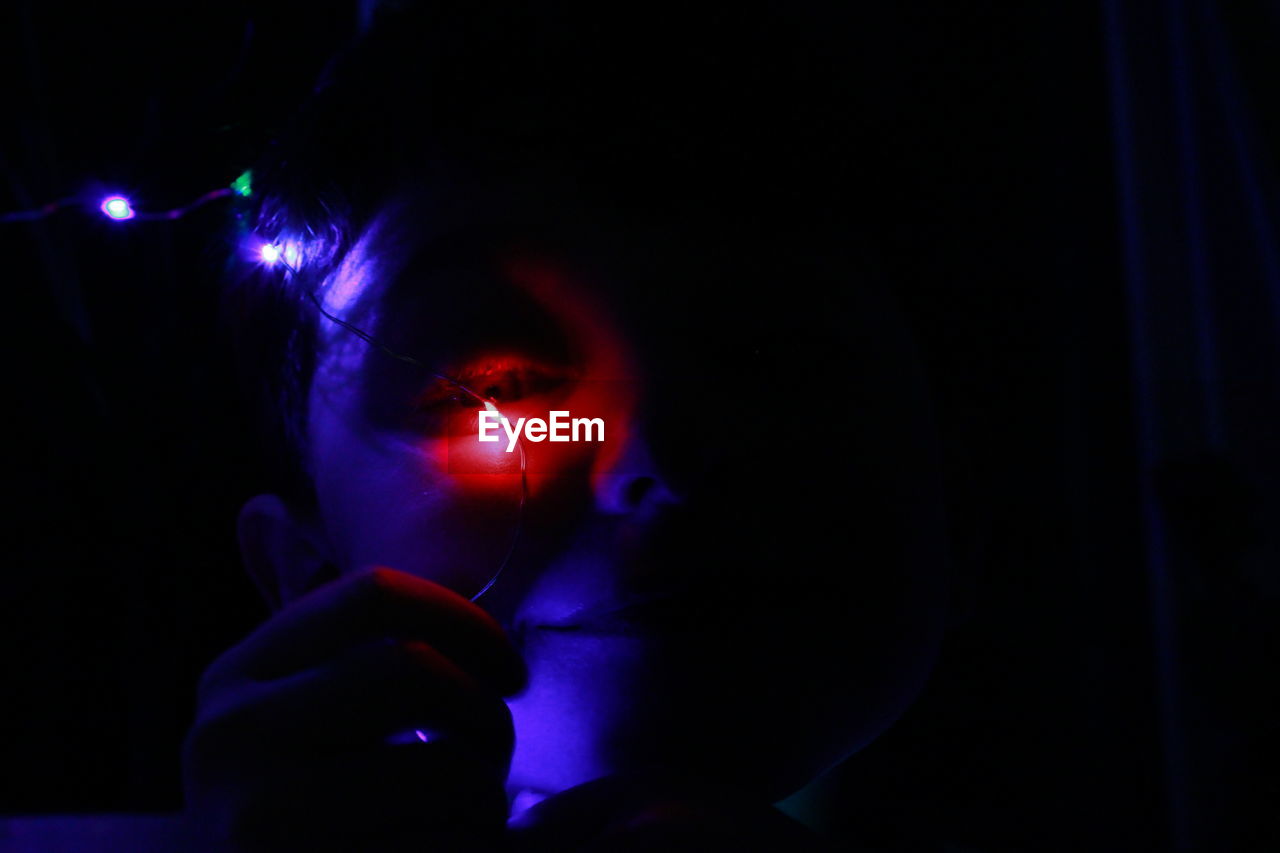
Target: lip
[{"x": 640, "y": 615}]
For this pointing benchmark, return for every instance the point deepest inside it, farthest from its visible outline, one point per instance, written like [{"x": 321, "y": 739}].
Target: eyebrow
[
  {"x": 464, "y": 312},
  {"x": 486, "y": 365}
]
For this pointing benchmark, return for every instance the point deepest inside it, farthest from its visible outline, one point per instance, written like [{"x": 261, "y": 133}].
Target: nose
[{"x": 627, "y": 481}]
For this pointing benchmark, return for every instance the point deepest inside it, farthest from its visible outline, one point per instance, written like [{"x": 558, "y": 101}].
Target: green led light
[{"x": 243, "y": 185}]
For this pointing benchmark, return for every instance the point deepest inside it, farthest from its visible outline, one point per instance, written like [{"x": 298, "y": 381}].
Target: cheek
[
  {"x": 396, "y": 504},
  {"x": 477, "y": 467}
]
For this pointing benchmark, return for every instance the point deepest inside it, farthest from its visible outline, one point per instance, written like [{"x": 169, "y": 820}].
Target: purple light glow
[
  {"x": 524, "y": 799},
  {"x": 117, "y": 207},
  {"x": 410, "y": 738},
  {"x": 270, "y": 253}
]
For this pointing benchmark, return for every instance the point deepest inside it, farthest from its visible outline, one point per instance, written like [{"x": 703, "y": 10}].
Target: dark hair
[{"x": 751, "y": 111}]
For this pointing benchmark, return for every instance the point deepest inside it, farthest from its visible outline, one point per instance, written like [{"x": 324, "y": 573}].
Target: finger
[
  {"x": 376, "y": 603},
  {"x": 358, "y": 699}
]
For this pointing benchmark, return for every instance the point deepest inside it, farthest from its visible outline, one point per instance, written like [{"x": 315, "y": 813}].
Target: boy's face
[{"x": 750, "y": 456}]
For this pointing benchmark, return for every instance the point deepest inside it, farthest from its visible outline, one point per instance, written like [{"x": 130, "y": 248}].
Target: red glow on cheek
[{"x": 475, "y": 466}]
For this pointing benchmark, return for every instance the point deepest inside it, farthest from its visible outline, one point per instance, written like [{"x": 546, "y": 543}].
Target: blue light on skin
[
  {"x": 523, "y": 800},
  {"x": 117, "y": 207}
]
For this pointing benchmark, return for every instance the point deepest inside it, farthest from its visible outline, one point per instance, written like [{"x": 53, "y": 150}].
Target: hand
[{"x": 290, "y": 751}]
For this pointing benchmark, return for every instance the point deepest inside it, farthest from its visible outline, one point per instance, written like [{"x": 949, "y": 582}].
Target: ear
[{"x": 284, "y": 553}]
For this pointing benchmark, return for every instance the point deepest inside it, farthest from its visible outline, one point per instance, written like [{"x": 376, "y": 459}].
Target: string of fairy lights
[{"x": 118, "y": 207}]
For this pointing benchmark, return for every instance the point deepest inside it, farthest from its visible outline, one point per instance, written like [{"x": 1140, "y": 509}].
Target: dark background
[{"x": 1076, "y": 202}]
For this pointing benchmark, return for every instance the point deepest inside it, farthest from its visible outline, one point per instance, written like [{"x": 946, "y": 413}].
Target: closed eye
[{"x": 501, "y": 381}]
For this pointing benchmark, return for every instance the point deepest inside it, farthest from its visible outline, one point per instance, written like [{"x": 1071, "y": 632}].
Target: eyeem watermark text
[{"x": 559, "y": 427}]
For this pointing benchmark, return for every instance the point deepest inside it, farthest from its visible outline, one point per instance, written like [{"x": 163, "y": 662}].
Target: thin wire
[
  {"x": 179, "y": 212},
  {"x": 524, "y": 480},
  {"x": 53, "y": 207},
  {"x": 38, "y": 212},
  {"x": 515, "y": 536}
]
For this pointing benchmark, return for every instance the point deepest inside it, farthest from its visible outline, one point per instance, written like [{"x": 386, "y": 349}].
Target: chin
[
  {"x": 762, "y": 710},
  {"x": 765, "y": 747}
]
